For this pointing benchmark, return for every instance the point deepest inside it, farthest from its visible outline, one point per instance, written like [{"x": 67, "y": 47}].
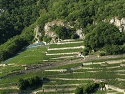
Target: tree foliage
[
  {"x": 11, "y": 47},
  {"x": 17, "y": 17},
  {"x": 64, "y": 33},
  {"x": 24, "y": 84},
  {"x": 89, "y": 88},
  {"x": 106, "y": 36}
]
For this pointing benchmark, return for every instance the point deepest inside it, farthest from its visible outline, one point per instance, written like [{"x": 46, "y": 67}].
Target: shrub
[
  {"x": 24, "y": 84},
  {"x": 46, "y": 39},
  {"x": 85, "y": 51},
  {"x": 64, "y": 33}
]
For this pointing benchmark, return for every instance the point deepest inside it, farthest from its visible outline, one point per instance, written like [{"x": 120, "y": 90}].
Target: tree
[
  {"x": 64, "y": 33},
  {"x": 29, "y": 83},
  {"x": 79, "y": 90},
  {"x": 85, "y": 51},
  {"x": 105, "y": 36},
  {"x": 21, "y": 84},
  {"x": 88, "y": 89}
]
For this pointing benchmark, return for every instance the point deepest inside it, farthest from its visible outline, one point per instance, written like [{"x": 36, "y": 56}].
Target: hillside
[
  {"x": 18, "y": 20},
  {"x": 55, "y": 46},
  {"x": 62, "y": 70}
]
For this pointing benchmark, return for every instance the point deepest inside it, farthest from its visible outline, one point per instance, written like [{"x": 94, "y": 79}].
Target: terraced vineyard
[
  {"x": 64, "y": 50},
  {"x": 66, "y": 78},
  {"x": 28, "y": 56},
  {"x": 64, "y": 69}
]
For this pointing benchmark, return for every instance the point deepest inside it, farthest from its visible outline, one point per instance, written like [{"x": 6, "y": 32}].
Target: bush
[
  {"x": 112, "y": 49},
  {"x": 74, "y": 36},
  {"x": 64, "y": 33},
  {"x": 88, "y": 89},
  {"x": 79, "y": 90},
  {"x": 85, "y": 51},
  {"x": 46, "y": 39},
  {"x": 24, "y": 84},
  {"x": 102, "y": 53}
]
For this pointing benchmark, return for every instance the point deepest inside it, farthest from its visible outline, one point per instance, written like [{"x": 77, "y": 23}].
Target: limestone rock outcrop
[
  {"x": 48, "y": 25},
  {"x": 53, "y": 35},
  {"x": 80, "y": 34},
  {"x": 37, "y": 34},
  {"x": 120, "y": 23}
]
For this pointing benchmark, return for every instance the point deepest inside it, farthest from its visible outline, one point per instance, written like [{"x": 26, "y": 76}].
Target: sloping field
[
  {"x": 66, "y": 78},
  {"x": 28, "y": 56},
  {"x": 64, "y": 50},
  {"x": 67, "y": 74}
]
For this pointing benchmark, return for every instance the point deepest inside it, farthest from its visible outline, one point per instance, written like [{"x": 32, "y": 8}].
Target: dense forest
[
  {"x": 17, "y": 15},
  {"x": 18, "y": 19}
]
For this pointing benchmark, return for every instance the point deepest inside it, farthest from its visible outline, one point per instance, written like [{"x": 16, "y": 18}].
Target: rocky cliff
[
  {"x": 66, "y": 24},
  {"x": 37, "y": 34},
  {"x": 120, "y": 23},
  {"x": 48, "y": 25}
]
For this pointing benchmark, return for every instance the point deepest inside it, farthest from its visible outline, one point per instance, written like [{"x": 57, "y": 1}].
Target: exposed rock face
[
  {"x": 53, "y": 35},
  {"x": 80, "y": 34},
  {"x": 48, "y": 25},
  {"x": 119, "y": 23},
  {"x": 37, "y": 34},
  {"x": 1, "y": 11},
  {"x": 114, "y": 20}
]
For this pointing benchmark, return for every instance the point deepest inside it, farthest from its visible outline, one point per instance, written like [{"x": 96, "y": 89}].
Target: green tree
[
  {"x": 79, "y": 90},
  {"x": 105, "y": 35},
  {"x": 29, "y": 83},
  {"x": 21, "y": 84}
]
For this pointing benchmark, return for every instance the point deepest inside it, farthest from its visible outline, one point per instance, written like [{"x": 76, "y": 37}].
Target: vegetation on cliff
[{"x": 105, "y": 37}]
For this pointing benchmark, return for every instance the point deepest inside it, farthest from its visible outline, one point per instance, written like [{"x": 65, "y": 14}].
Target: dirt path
[
  {"x": 78, "y": 79},
  {"x": 68, "y": 42},
  {"x": 12, "y": 87},
  {"x": 115, "y": 88},
  {"x": 63, "y": 53},
  {"x": 65, "y": 57},
  {"x": 55, "y": 90},
  {"x": 64, "y": 85},
  {"x": 66, "y": 48}
]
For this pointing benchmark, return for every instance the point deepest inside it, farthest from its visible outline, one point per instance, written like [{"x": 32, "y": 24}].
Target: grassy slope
[
  {"x": 28, "y": 56},
  {"x": 108, "y": 72}
]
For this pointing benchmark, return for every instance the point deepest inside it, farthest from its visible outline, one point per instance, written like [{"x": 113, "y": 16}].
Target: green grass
[
  {"x": 36, "y": 55},
  {"x": 9, "y": 70},
  {"x": 63, "y": 57},
  {"x": 68, "y": 74},
  {"x": 14, "y": 79},
  {"x": 28, "y": 56},
  {"x": 9, "y": 91}
]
